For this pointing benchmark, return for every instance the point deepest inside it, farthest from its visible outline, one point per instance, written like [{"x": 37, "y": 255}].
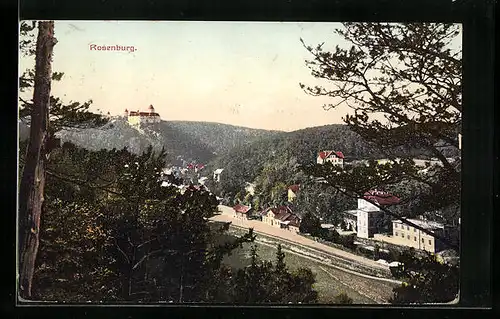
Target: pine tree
[
  {"x": 46, "y": 115},
  {"x": 403, "y": 82},
  {"x": 33, "y": 179}
]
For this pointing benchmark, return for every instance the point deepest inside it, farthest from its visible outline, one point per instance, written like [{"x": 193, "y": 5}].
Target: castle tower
[{"x": 151, "y": 109}]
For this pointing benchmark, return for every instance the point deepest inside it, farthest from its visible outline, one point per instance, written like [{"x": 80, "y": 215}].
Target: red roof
[
  {"x": 326, "y": 154},
  {"x": 294, "y": 188},
  {"x": 241, "y": 209},
  {"x": 284, "y": 214},
  {"x": 381, "y": 197}
]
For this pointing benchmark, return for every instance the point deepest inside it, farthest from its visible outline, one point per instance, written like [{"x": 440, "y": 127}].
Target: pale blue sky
[{"x": 242, "y": 73}]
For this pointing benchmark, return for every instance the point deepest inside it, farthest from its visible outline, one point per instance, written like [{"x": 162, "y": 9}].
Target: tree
[
  {"x": 343, "y": 298},
  {"x": 343, "y": 225},
  {"x": 310, "y": 224},
  {"x": 31, "y": 190},
  {"x": 61, "y": 115},
  {"x": 323, "y": 200},
  {"x": 143, "y": 243},
  {"x": 420, "y": 282},
  {"x": 265, "y": 282},
  {"x": 403, "y": 82},
  {"x": 41, "y": 111}
]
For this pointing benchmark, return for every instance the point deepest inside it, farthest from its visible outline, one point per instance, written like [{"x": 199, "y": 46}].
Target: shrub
[{"x": 343, "y": 298}]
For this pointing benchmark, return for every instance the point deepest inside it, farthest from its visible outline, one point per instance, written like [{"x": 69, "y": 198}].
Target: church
[{"x": 136, "y": 118}]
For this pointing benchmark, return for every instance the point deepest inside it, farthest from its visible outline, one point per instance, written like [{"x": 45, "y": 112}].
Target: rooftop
[
  {"x": 241, "y": 208},
  {"x": 381, "y": 197},
  {"x": 325, "y": 154},
  {"x": 427, "y": 224}
]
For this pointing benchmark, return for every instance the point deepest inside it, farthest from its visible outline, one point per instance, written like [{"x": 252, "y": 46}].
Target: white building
[
  {"x": 136, "y": 118},
  {"x": 336, "y": 158},
  {"x": 217, "y": 173},
  {"x": 368, "y": 215}
]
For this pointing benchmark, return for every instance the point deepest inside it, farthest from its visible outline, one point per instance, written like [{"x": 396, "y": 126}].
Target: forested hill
[
  {"x": 247, "y": 161},
  {"x": 190, "y": 141},
  {"x": 220, "y": 138},
  {"x": 243, "y": 164}
]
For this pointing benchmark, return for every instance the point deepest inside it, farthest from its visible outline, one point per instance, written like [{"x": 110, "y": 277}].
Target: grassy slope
[{"x": 326, "y": 285}]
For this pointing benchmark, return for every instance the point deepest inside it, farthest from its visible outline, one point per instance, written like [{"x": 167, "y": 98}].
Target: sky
[{"x": 240, "y": 73}]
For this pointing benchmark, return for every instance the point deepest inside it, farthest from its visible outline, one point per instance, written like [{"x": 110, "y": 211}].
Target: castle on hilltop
[{"x": 136, "y": 118}]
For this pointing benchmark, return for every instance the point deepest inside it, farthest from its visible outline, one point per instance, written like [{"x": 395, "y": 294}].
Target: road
[{"x": 258, "y": 226}]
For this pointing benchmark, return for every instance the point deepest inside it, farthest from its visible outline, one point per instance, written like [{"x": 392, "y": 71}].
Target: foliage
[
  {"x": 62, "y": 115},
  {"x": 323, "y": 200},
  {"x": 265, "y": 282},
  {"x": 348, "y": 241},
  {"x": 141, "y": 242},
  {"x": 426, "y": 280},
  {"x": 410, "y": 74},
  {"x": 246, "y": 162},
  {"x": 120, "y": 236},
  {"x": 310, "y": 224},
  {"x": 343, "y": 298},
  {"x": 403, "y": 82}
]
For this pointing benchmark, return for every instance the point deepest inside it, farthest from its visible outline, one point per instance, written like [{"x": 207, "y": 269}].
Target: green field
[{"x": 327, "y": 286}]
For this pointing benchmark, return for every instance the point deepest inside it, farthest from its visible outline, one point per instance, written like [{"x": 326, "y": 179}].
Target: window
[
  {"x": 403, "y": 235},
  {"x": 396, "y": 233},
  {"x": 395, "y": 225},
  {"x": 430, "y": 242},
  {"x": 407, "y": 227},
  {"x": 408, "y": 237},
  {"x": 414, "y": 238},
  {"x": 414, "y": 230},
  {"x": 422, "y": 240}
]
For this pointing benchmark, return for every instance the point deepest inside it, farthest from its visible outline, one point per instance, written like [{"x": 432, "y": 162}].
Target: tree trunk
[{"x": 31, "y": 189}]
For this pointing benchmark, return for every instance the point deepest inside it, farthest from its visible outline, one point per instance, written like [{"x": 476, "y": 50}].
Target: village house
[
  {"x": 217, "y": 174},
  {"x": 336, "y": 158},
  {"x": 368, "y": 215},
  {"x": 281, "y": 217},
  {"x": 242, "y": 212},
  {"x": 405, "y": 235},
  {"x": 136, "y": 118},
  {"x": 292, "y": 192}
]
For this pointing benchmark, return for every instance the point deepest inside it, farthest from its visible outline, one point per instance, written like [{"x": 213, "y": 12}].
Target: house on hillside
[
  {"x": 292, "y": 192},
  {"x": 281, "y": 217},
  {"x": 242, "y": 212},
  {"x": 406, "y": 235},
  {"x": 336, "y": 158},
  {"x": 368, "y": 215},
  {"x": 217, "y": 174}
]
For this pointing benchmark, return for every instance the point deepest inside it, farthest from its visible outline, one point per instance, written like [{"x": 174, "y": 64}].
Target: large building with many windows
[{"x": 412, "y": 237}]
